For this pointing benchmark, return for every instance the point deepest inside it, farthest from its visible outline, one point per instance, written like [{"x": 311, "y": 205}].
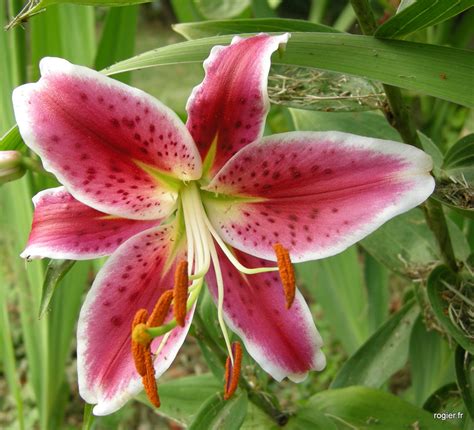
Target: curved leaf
[
  {"x": 55, "y": 271},
  {"x": 435, "y": 70},
  {"x": 431, "y": 362},
  {"x": 421, "y": 14},
  {"x": 11, "y": 140},
  {"x": 217, "y": 413},
  {"x": 221, "y": 8},
  {"x": 181, "y": 398},
  {"x": 382, "y": 355},
  {"x": 451, "y": 298},
  {"x": 464, "y": 363},
  {"x": 364, "y": 408},
  {"x": 196, "y": 30}
]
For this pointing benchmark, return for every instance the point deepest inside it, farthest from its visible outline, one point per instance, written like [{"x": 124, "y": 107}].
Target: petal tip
[{"x": 48, "y": 65}]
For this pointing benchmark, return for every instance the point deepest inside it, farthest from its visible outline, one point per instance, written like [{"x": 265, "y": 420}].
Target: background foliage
[{"x": 396, "y": 311}]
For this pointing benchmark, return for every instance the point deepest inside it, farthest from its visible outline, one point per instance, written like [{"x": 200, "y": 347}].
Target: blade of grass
[
  {"x": 346, "y": 18},
  {"x": 337, "y": 283},
  {"x": 118, "y": 39},
  {"x": 421, "y": 14},
  {"x": 8, "y": 361}
]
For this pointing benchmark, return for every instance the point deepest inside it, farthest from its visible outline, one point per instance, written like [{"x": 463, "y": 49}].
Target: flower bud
[{"x": 11, "y": 167}]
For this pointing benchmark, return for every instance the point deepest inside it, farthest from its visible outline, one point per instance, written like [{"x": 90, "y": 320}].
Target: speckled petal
[
  {"x": 114, "y": 147},
  {"x": 284, "y": 342},
  {"x": 231, "y": 104},
  {"x": 315, "y": 193},
  {"x": 65, "y": 228},
  {"x": 134, "y": 277}
]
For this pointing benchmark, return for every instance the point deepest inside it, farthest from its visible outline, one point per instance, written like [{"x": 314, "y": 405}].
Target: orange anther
[
  {"x": 160, "y": 311},
  {"x": 139, "y": 351},
  {"x": 143, "y": 358},
  {"x": 287, "y": 273},
  {"x": 232, "y": 372},
  {"x": 181, "y": 282},
  {"x": 149, "y": 383}
]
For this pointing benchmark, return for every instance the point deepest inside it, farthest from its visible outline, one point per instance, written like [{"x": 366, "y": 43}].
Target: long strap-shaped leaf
[
  {"x": 422, "y": 14},
  {"x": 431, "y": 69}
]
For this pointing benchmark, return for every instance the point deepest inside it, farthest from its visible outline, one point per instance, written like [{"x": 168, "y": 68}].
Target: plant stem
[
  {"x": 398, "y": 116},
  {"x": 258, "y": 398},
  {"x": 35, "y": 166}
]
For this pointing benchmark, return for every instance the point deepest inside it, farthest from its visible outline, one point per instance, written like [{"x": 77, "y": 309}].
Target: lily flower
[{"x": 212, "y": 196}]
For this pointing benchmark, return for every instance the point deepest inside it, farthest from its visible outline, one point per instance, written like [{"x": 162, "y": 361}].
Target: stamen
[
  {"x": 139, "y": 351},
  {"x": 149, "y": 381},
  {"x": 180, "y": 292},
  {"x": 142, "y": 356},
  {"x": 236, "y": 263},
  {"x": 157, "y": 317},
  {"x": 232, "y": 371},
  {"x": 287, "y": 273}
]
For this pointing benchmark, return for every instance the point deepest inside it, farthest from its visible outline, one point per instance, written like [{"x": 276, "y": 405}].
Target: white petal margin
[
  {"x": 269, "y": 365},
  {"x": 416, "y": 171},
  {"x": 51, "y": 67},
  {"x": 109, "y": 406}
]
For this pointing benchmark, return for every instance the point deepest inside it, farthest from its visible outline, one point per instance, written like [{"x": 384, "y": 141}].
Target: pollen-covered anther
[
  {"x": 232, "y": 371},
  {"x": 149, "y": 382},
  {"x": 160, "y": 310},
  {"x": 287, "y": 273},
  {"x": 181, "y": 282},
  {"x": 139, "y": 351}
]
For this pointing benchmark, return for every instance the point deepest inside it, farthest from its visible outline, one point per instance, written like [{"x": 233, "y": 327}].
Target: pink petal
[
  {"x": 284, "y": 342},
  {"x": 232, "y": 102},
  {"x": 92, "y": 132},
  {"x": 134, "y": 277},
  {"x": 315, "y": 193},
  {"x": 63, "y": 227}
]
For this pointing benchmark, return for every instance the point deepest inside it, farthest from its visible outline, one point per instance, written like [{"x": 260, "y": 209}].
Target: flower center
[{"x": 201, "y": 251}]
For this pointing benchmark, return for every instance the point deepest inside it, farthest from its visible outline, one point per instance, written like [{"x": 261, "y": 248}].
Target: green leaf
[
  {"x": 431, "y": 362},
  {"x": 421, "y": 14},
  {"x": 197, "y": 30},
  {"x": 365, "y": 408},
  {"x": 310, "y": 419},
  {"x": 118, "y": 39},
  {"x": 414, "y": 66},
  {"x": 459, "y": 160},
  {"x": 56, "y": 271},
  {"x": 451, "y": 299},
  {"x": 12, "y": 140},
  {"x": 181, "y": 398},
  {"x": 407, "y": 246},
  {"x": 464, "y": 363},
  {"x": 88, "y": 417},
  {"x": 217, "y": 413},
  {"x": 218, "y": 9},
  {"x": 337, "y": 283},
  {"x": 455, "y": 188},
  {"x": 384, "y": 353},
  {"x": 368, "y": 124},
  {"x": 378, "y": 293},
  {"x": 439, "y": 399},
  {"x": 430, "y": 147},
  {"x": 186, "y": 10}
]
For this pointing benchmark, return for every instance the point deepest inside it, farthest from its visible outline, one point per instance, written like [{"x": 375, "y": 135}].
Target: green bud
[{"x": 11, "y": 167}]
